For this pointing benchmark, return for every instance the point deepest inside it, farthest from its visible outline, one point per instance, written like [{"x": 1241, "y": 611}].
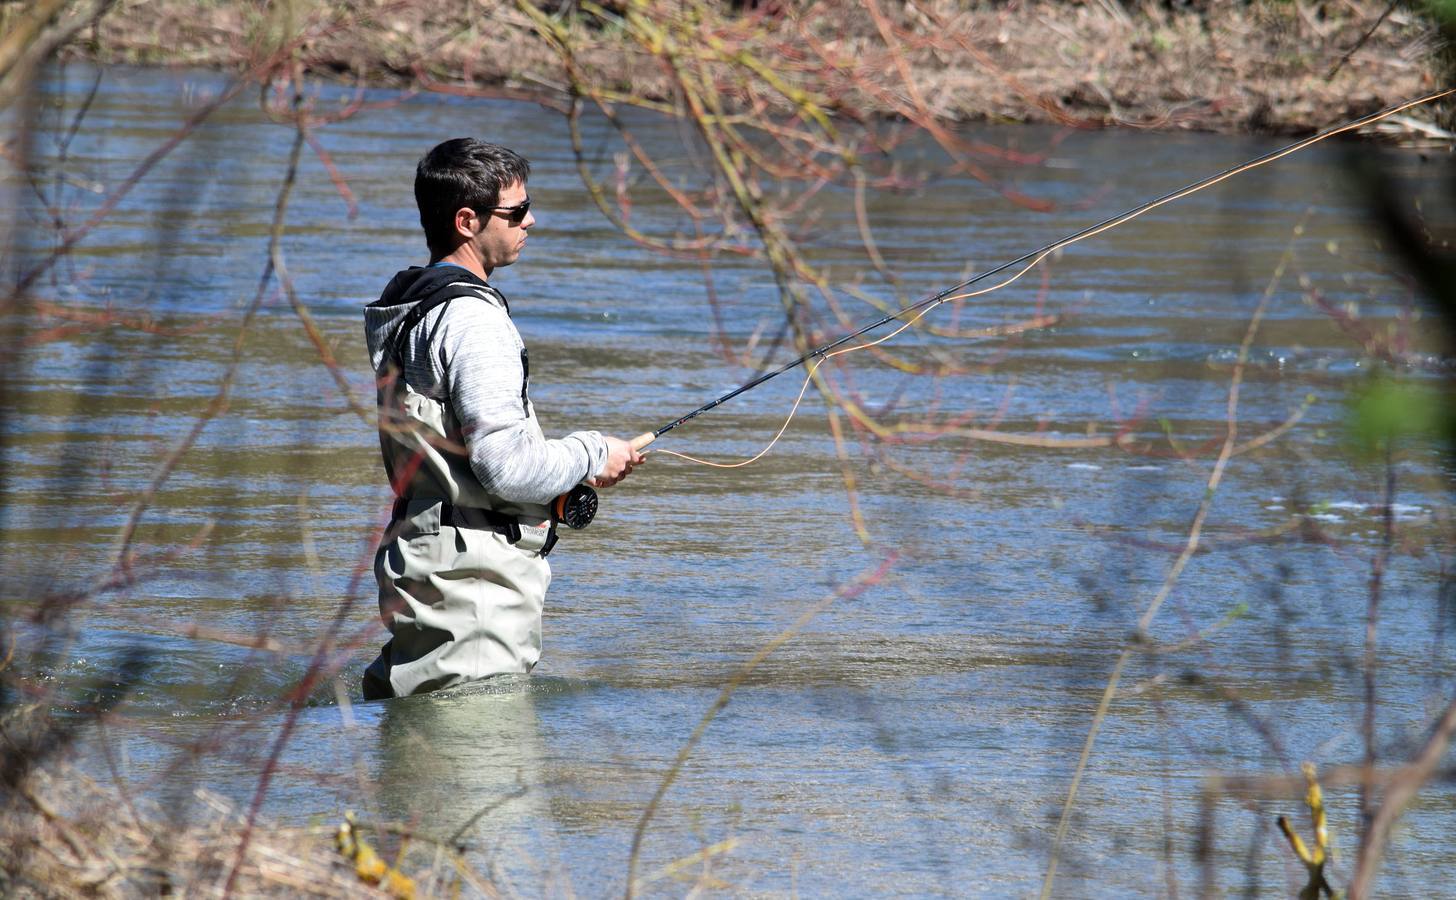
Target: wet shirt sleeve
[{"x": 480, "y": 352}]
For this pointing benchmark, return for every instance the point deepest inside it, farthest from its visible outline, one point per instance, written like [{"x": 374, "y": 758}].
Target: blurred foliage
[
  {"x": 1386, "y": 411},
  {"x": 1443, "y": 11}
]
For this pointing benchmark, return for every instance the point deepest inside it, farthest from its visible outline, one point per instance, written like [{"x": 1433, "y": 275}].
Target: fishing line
[{"x": 1027, "y": 262}]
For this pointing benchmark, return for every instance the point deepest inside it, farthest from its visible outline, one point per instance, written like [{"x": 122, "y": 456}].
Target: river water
[{"x": 916, "y": 738}]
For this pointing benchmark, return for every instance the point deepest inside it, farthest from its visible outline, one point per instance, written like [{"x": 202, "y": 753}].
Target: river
[{"x": 916, "y": 738}]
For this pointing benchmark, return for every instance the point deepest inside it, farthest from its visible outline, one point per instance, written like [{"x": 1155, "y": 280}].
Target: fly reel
[{"x": 576, "y": 508}]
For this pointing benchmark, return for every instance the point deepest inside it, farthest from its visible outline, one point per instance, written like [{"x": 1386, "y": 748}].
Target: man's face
[{"x": 500, "y": 235}]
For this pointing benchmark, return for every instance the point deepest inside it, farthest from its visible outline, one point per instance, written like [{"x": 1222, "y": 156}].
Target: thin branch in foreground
[
  {"x": 1195, "y": 530},
  {"x": 1400, "y": 791},
  {"x": 853, "y": 589}
]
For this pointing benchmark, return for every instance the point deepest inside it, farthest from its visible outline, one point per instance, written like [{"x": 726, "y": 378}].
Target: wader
[{"x": 462, "y": 573}]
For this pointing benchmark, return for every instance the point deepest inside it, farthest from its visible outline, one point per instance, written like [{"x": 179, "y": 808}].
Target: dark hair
[{"x": 461, "y": 173}]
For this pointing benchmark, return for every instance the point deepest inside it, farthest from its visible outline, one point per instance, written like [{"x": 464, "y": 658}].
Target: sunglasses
[{"x": 515, "y": 214}]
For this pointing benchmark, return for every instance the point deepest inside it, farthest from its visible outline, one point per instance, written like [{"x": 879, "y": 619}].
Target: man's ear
[{"x": 463, "y": 217}]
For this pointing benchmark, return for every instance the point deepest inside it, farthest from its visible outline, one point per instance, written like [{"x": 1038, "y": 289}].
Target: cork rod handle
[{"x": 642, "y": 440}]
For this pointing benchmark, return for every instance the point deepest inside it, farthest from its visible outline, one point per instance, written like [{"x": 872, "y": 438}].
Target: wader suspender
[{"x": 394, "y": 348}]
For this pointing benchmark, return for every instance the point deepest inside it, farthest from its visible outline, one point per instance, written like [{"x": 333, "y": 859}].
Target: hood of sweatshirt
[{"x": 407, "y": 288}]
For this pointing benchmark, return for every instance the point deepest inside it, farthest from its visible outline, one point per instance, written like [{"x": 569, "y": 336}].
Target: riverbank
[
  {"x": 1263, "y": 67},
  {"x": 67, "y": 835}
]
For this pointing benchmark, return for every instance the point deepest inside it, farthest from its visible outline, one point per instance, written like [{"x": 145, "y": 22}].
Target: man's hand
[{"x": 621, "y": 460}]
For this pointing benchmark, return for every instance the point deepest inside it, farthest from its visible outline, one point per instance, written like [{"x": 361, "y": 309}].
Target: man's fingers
[{"x": 606, "y": 480}]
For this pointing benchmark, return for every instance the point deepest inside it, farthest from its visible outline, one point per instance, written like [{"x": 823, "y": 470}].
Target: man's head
[{"x": 469, "y": 191}]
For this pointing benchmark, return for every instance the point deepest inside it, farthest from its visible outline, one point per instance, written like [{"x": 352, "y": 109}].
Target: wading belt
[{"x": 480, "y": 519}]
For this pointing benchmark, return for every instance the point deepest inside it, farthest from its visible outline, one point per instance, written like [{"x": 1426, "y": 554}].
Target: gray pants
[{"x": 462, "y": 603}]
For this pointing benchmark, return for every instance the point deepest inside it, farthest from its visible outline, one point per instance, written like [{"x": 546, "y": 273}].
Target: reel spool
[{"x": 576, "y": 508}]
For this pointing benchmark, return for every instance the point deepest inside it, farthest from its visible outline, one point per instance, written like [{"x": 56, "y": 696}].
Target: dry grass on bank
[
  {"x": 68, "y": 837},
  {"x": 64, "y": 834},
  {"x": 1266, "y": 66}
]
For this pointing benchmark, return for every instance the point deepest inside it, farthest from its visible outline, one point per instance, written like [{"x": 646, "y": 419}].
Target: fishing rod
[{"x": 1030, "y": 260}]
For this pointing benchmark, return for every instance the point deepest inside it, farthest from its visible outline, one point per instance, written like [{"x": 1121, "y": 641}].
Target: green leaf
[
  {"x": 1385, "y": 410},
  {"x": 1443, "y": 9}
]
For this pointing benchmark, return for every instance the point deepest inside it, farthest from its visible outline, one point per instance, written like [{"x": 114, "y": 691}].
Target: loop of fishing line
[{"x": 1032, "y": 260}]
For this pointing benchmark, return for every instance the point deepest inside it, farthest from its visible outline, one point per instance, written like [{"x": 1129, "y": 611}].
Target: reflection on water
[
  {"x": 465, "y": 767},
  {"x": 913, "y": 740}
]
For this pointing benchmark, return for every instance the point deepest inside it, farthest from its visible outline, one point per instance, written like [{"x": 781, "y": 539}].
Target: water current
[{"x": 918, "y": 738}]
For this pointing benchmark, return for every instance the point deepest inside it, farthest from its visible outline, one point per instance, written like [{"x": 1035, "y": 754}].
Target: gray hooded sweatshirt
[{"x": 459, "y": 424}]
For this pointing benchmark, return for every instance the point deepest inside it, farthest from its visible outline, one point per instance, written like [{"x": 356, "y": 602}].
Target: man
[{"x": 462, "y": 568}]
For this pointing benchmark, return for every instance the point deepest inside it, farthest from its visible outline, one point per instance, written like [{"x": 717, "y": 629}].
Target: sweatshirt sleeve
[{"x": 480, "y": 351}]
